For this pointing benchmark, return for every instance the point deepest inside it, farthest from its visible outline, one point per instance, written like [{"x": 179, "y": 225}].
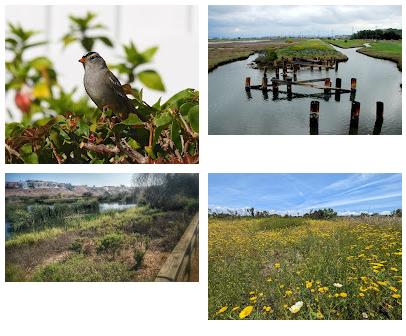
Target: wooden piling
[
  {"x": 353, "y": 85},
  {"x": 355, "y": 110},
  {"x": 314, "y": 117},
  {"x": 379, "y": 118},
  {"x": 336, "y": 64},
  {"x": 275, "y": 86},
  {"x": 289, "y": 85},
  {"x": 276, "y": 71},
  {"x": 379, "y": 110},
  {"x": 327, "y": 84},
  {"x": 337, "y": 96},
  {"x": 247, "y": 83},
  {"x": 264, "y": 85}
]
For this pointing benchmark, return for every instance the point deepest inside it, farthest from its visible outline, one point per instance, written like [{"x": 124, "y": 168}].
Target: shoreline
[
  {"x": 371, "y": 53},
  {"x": 231, "y": 60}
]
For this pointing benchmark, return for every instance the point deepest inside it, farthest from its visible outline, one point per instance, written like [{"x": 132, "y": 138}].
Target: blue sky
[
  {"x": 299, "y": 193},
  {"x": 259, "y": 21},
  {"x": 76, "y": 179}
]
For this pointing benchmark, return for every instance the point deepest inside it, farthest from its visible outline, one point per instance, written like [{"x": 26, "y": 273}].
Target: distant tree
[
  {"x": 251, "y": 212},
  {"x": 321, "y": 214},
  {"x": 396, "y": 213}
]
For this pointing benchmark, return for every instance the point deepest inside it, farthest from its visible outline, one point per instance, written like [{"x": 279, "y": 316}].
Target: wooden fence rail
[{"x": 178, "y": 266}]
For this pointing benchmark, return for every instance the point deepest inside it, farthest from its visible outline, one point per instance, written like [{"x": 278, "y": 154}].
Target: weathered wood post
[
  {"x": 379, "y": 110},
  {"x": 327, "y": 85},
  {"x": 353, "y": 88},
  {"x": 285, "y": 70},
  {"x": 264, "y": 85},
  {"x": 311, "y": 68},
  {"x": 289, "y": 85},
  {"x": 276, "y": 69},
  {"x": 247, "y": 83},
  {"x": 327, "y": 65},
  {"x": 353, "y": 85},
  {"x": 336, "y": 64},
  {"x": 379, "y": 118},
  {"x": 275, "y": 89},
  {"x": 314, "y": 117},
  {"x": 354, "y": 122},
  {"x": 337, "y": 95}
]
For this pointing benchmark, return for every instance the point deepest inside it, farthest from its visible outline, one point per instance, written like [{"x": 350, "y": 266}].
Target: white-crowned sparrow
[{"x": 103, "y": 88}]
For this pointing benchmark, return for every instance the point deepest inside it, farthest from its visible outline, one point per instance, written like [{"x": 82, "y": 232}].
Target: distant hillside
[{"x": 35, "y": 188}]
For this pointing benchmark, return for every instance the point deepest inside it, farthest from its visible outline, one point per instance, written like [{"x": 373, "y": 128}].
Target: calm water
[
  {"x": 103, "y": 207},
  {"x": 232, "y": 112}
]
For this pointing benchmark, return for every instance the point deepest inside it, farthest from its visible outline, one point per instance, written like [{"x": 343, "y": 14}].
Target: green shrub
[
  {"x": 80, "y": 268},
  {"x": 110, "y": 243},
  {"x": 267, "y": 57}
]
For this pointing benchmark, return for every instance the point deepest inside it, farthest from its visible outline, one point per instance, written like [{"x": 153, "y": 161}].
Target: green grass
[
  {"x": 80, "y": 268},
  {"x": 269, "y": 264},
  {"x": 311, "y": 48},
  {"x": 389, "y": 50}
]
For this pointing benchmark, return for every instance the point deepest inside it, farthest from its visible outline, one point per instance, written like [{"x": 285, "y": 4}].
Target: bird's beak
[{"x": 82, "y": 60}]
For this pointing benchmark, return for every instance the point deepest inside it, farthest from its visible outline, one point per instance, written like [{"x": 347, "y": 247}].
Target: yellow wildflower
[
  {"x": 252, "y": 293},
  {"x": 396, "y": 296},
  {"x": 309, "y": 284},
  {"x": 319, "y": 315},
  {"x": 393, "y": 289},
  {"x": 277, "y": 265},
  {"x": 253, "y": 298},
  {"x": 394, "y": 269},
  {"x": 222, "y": 310},
  {"x": 288, "y": 293},
  {"x": 235, "y": 308},
  {"x": 361, "y": 294},
  {"x": 246, "y": 312},
  {"x": 343, "y": 294}
]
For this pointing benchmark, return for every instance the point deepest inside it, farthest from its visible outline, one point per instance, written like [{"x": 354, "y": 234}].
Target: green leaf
[
  {"x": 133, "y": 144},
  {"x": 30, "y": 158},
  {"x": 163, "y": 119},
  {"x": 149, "y": 53},
  {"x": 175, "y": 135},
  {"x": 68, "y": 39},
  {"x": 193, "y": 116},
  {"x": 132, "y": 120},
  {"x": 105, "y": 40},
  {"x": 83, "y": 128},
  {"x": 179, "y": 98},
  {"x": 151, "y": 79},
  {"x": 13, "y": 128},
  {"x": 184, "y": 109}
]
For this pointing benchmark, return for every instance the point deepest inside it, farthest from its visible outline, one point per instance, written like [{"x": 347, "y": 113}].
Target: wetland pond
[{"x": 231, "y": 111}]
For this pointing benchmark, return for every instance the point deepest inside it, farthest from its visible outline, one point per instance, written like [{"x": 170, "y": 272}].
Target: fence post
[{"x": 337, "y": 95}]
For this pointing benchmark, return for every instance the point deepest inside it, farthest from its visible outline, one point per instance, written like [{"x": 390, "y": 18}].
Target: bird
[{"x": 103, "y": 88}]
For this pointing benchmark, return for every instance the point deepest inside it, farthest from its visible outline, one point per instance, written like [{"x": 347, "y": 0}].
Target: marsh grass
[
  {"x": 270, "y": 264},
  {"x": 111, "y": 246}
]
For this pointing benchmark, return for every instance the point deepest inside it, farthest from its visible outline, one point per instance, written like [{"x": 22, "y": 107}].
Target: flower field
[{"x": 298, "y": 268}]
